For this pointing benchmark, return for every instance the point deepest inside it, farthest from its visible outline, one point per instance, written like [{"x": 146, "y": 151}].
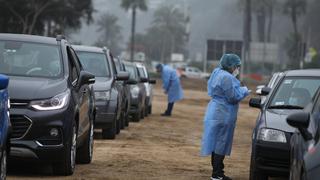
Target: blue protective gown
[
  {"x": 171, "y": 84},
  {"x": 221, "y": 114}
]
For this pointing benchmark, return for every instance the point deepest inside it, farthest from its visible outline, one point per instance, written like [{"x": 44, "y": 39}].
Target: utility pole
[
  {"x": 247, "y": 36},
  {"x": 134, "y": 7}
]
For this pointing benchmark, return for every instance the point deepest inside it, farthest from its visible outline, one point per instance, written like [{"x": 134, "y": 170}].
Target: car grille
[
  {"x": 14, "y": 103},
  {"x": 20, "y": 126}
]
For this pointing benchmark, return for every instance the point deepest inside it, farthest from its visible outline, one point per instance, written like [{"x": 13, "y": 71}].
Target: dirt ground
[{"x": 159, "y": 147}]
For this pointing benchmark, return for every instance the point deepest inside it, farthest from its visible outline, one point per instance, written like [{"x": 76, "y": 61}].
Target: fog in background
[{"x": 210, "y": 19}]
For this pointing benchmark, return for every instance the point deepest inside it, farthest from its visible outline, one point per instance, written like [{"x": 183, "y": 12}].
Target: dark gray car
[
  {"x": 107, "y": 92},
  {"x": 52, "y": 109},
  {"x": 270, "y": 154},
  {"x": 138, "y": 92}
]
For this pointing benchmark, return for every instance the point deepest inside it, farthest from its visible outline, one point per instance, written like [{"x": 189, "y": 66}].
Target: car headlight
[
  {"x": 272, "y": 135},
  {"x": 57, "y": 102},
  {"x": 134, "y": 91},
  {"x": 102, "y": 95}
]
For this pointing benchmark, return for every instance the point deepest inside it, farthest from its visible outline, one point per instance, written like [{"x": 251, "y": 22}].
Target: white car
[
  {"x": 149, "y": 87},
  {"x": 193, "y": 72}
]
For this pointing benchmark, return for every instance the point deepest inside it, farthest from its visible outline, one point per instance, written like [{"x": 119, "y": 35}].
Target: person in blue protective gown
[
  {"x": 171, "y": 85},
  {"x": 221, "y": 115}
]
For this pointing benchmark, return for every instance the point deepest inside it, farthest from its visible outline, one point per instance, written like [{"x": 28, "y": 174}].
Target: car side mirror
[
  {"x": 152, "y": 81},
  {"x": 86, "y": 78},
  {"x": 265, "y": 91},
  {"x": 131, "y": 82},
  {"x": 255, "y": 102},
  {"x": 4, "y": 81},
  {"x": 301, "y": 121},
  {"x": 122, "y": 76},
  {"x": 259, "y": 89},
  {"x": 143, "y": 79}
]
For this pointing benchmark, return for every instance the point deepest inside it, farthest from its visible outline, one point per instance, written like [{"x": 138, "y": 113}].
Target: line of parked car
[
  {"x": 59, "y": 93},
  {"x": 285, "y": 141}
]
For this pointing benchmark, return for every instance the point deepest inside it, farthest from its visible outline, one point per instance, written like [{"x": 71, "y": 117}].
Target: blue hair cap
[{"x": 228, "y": 61}]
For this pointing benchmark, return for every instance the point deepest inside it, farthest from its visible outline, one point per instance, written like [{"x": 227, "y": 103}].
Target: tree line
[
  {"x": 303, "y": 15},
  {"x": 43, "y": 17}
]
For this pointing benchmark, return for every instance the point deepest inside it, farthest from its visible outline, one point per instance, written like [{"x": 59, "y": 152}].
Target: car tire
[
  {"x": 3, "y": 165},
  {"x": 256, "y": 174},
  {"x": 150, "y": 109},
  {"x": 126, "y": 120},
  {"x": 85, "y": 153},
  {"x": 146, "y": 111},
  {"x": 142, "y": 113},
  {"x": 136, "y": 117},
  {"x": 122, "y": 122},
  {"x": 110, "y": 133},
  {"x": 118, "y": 126},
  {"x": 67, "y": 166}
]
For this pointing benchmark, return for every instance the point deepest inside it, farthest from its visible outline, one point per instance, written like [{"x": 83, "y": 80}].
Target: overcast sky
[{"x": 210, "y": 19}]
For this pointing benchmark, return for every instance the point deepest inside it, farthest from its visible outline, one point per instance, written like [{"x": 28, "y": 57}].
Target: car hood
[
  {"x": 31, "y": 88},
  {"x": 277, "y": 119},
  {"x": 102, "y": 84}
]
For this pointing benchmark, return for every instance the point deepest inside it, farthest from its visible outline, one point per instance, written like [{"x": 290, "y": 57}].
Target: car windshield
[
  {"x": 132, "y": 71},
  {"x": 95, "y": 63},
  {"x": 142, "y": 73},
  {"x": 295, "y": 93},
  {"x": 30, "y": 59}
]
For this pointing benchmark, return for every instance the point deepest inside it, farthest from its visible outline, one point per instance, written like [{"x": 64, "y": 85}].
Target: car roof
[
  {"x": 128, "y": 63},
  {"x": 140, "y": 65},
  {"x": 304, "y": 73},
  {"x": 88, "y": 48},
  {"x": 28, "y": 38}
]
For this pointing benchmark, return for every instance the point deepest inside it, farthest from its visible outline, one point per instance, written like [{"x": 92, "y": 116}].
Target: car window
[
  {"x": 118, "y": 65},
  {"x": 132, "y": 72},
  {"x": 95, "y": 63},
  {"x": 30, "y": 59},
  {"x": 141, "y": 72},
  {"x": 295, "y": 92},
  {"x": 74, "y": 70},
  {"x": 113, "y": 66}
]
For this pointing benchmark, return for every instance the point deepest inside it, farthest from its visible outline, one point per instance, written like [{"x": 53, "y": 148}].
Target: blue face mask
[{"x": 293, "y": 101}]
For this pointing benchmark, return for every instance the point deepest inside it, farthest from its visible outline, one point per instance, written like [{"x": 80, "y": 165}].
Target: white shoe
[{"x": 217, "y": 178}]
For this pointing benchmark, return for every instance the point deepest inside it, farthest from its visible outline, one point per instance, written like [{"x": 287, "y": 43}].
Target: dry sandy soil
[{"x": 159, "y": 147}]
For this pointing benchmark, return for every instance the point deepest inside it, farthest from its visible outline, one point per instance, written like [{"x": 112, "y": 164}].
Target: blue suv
[{"x": 4, "y": 124}]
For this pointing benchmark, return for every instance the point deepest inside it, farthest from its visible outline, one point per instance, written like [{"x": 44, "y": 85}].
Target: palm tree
[
  {"x": 111, "y": 32},
  {"x": 133, "y": 5}
]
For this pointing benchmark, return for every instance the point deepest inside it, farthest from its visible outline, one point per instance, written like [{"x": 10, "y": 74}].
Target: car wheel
[
  {"x": 126, "y": 120},
  {"x": 146, "y": 111},
  {"x": 118, "y": 126},
  {"x": 122, "y": 122},
  {"x": 256, "y": 174},
  {"x": 142, "y": 113},
  {"x": 67, "y": 166},
  {"x": 84, "y": 154},
  {"x": 3, "y": 174},
  {"x": 150, "y": 109},
  {"x": 110, "y": 133},
  {"x": 136, "y": 117}
]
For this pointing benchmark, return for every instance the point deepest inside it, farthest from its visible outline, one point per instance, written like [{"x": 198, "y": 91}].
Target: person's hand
[{"x": 248, "y": 91}]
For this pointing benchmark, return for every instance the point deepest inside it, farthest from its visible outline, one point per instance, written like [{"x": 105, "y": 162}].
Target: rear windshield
[
  {"x": 295, "y": 92},
  {"x": 95, "y": 63},
  {"x": 30, "y": 59}
]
